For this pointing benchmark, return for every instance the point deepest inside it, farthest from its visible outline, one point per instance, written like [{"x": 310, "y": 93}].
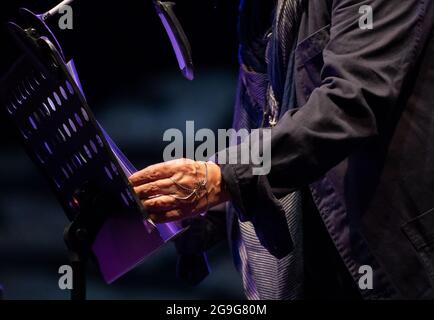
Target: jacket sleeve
[
  {"x": 362, "y": 80},
  {"x": 202, "y": 234}
]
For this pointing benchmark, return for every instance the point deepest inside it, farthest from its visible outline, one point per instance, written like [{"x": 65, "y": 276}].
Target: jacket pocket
[
  {"x": 309, "y": 63},
  {"x": 420, "y": 232}
]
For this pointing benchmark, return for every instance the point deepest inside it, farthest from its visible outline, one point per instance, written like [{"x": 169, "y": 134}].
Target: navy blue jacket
[{"x": 361, "y": 138}]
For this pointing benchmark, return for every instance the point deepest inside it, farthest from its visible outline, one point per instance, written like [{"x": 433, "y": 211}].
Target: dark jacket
[{"x": 361, "y": 139}]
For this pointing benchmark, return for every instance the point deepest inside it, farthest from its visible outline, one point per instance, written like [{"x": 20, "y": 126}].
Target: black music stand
[
  {"x": 61, "y": 135},
  {"x": 87, "y": 172}
]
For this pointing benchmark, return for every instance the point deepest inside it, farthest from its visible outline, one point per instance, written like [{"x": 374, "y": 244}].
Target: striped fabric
[
  {"x": 284, "y": 35},
  {"x": 264, "y": 276}
]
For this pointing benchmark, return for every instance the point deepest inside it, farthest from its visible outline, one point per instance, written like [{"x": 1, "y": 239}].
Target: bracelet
[
  {"x": 206, "y": 189},
  {"x": 200, "y": 185}
]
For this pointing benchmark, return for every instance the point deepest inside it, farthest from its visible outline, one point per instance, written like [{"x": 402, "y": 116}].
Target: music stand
[{"x": 86, "y": 171}]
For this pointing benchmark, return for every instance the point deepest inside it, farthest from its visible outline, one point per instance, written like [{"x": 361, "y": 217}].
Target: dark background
[{"x": 130, "y": 77}]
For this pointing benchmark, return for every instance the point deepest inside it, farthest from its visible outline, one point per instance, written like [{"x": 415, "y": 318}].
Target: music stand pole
[{"x": 78, "y": 253}]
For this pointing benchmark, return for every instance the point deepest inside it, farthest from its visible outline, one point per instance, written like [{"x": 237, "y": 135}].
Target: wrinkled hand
[{"x": 179, "y": 189}]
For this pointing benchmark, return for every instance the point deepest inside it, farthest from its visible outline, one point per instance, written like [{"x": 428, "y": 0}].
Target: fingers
[
  {"x": 163, "y": 170},
  {"x": 169, "y": 191},
  {"x": 160, "y": 204},
  {"x": 166, "y": 209},
  {"x": 169, "y": 216},
  {"x": 152, "y": 173},
  {"x": 156, "y": 188}
]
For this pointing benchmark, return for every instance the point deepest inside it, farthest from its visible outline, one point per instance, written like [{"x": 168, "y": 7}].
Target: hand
[{"x": 179, "y": 189}]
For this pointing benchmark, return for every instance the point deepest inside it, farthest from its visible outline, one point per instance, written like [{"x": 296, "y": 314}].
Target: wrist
[{"x": 217, "y": 191}]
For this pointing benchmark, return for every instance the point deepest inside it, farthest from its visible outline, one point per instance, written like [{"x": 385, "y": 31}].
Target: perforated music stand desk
[{"x": 85, "y": 169}]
